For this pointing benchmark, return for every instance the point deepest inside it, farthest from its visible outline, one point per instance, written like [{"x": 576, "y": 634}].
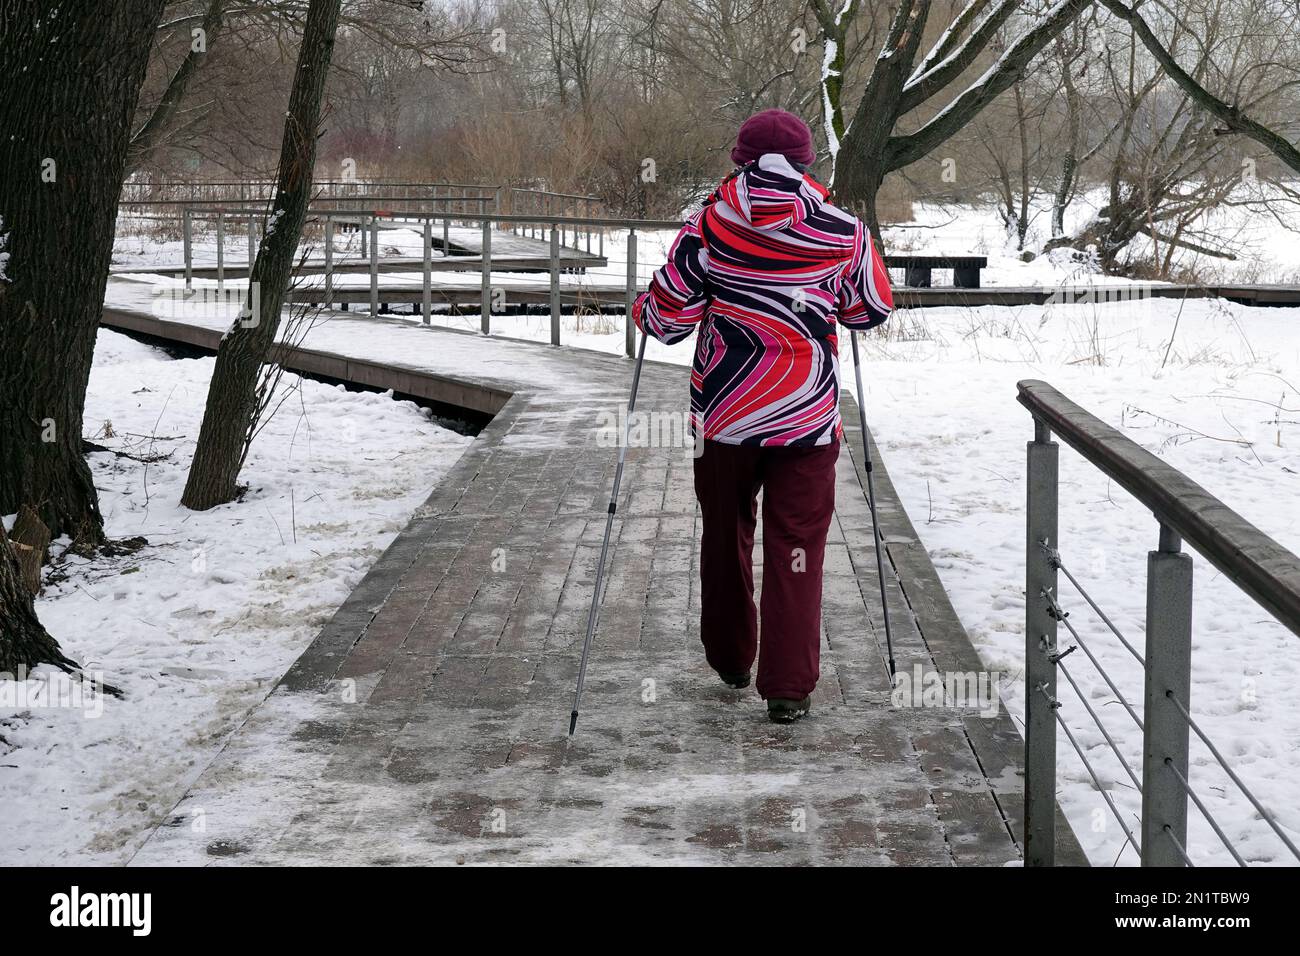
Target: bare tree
[
  {"x": 214, "y": 59},
  {"x": 1233, "y": 114},
  {"x": 72, "y": 76},
  {"x": 899, "y": 85},
  {"x": 162, "y": 120},
  {"x": 230, "y": 414}
]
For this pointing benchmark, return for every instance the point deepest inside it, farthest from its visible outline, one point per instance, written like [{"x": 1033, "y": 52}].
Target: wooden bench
[{"x": 965, "y": 269}]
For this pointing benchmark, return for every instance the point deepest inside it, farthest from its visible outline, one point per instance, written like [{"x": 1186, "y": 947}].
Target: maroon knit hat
[{"x": 773, "y": 131}]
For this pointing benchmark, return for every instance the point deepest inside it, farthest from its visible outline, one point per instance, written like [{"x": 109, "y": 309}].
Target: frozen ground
[
  {"x": 197, "y": 626},
  {"x": 1210, "y": 386}
]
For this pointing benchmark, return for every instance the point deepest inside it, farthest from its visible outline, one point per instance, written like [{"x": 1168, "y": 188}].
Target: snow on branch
[{"x": 997, "y": 79}]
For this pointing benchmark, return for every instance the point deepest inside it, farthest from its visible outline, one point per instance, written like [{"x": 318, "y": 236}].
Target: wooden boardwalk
[{"x": 426, "y": 723}]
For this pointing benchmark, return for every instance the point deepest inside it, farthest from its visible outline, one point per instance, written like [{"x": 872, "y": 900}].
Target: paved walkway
[{"x": 426, "y": 723}]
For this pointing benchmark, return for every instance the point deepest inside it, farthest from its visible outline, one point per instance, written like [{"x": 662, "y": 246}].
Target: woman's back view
[{"x": 766, "y": 270}]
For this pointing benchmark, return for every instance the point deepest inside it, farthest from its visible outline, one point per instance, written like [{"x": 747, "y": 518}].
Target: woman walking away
[{"x": 766, "y": 270}]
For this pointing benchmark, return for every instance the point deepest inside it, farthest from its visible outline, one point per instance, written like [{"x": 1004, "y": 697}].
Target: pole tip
[{"x": 573, "y": 722}]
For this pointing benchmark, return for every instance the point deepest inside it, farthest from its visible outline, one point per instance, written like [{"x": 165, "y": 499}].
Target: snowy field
[
  {"x": 1212, "y": 387},
  {"x": 197, "y": 626}
]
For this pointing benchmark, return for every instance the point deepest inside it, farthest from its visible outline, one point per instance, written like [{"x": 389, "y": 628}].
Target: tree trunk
[
  {"x": 871, "y": 149},
  {"x": 1070, "y": 161},
  {"x": 834, "y": 22},
  {"x": 858, "y": 177},
  {"x": 228, "y": 418},
  {"x": 24, "y": 643},
  {"x": 865, "y": 156},
  {"x": 30, "y": 542},
  {"x": 72, "y": 76}
]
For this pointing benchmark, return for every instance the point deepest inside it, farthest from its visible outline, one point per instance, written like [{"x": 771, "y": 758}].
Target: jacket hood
[{"x": 770, "y": 194}]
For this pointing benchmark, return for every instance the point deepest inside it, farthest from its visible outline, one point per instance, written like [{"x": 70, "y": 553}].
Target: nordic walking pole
[
  {"x": 604, "y": 548},
  {"x": 871, "y": 501}
]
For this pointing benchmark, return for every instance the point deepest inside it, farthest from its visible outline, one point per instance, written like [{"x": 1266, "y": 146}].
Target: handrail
[
  {"x": 474, "y": 216},
  {"x": 548, "y": 192},
  {"x": 220, "y": 204},
  {"x": 1260, "y": 566},
  {"x": 367, "y": 181}
]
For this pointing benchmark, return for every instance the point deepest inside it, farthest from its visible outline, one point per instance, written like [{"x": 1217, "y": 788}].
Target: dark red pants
[{"x": 798, "y": 498}]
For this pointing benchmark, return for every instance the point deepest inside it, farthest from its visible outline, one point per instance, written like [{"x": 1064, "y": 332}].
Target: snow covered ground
[
  {"x": 1223, "y": 410},
  {"x": 1261, "y": 236},
  {"x": 1212, "y": 387},
  {"x": 197, "y": 626}
]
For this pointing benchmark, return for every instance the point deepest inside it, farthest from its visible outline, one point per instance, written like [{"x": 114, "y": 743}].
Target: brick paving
[{"x": 427, "y": 722}]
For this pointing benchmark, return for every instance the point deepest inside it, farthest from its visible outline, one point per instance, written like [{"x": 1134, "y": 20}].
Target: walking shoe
[
  {"x": 735, "y": 681},
  {"x": 782, "y": 710}
]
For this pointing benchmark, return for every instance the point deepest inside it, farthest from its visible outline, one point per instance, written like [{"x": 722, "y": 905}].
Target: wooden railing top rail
[
  {"x": 236, "y": 210},
  {"x": 237, "y": 203},
  {"x": 1260, "y": 566}
]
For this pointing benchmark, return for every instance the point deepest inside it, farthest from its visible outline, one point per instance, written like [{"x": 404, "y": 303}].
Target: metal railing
[
  {"x": 163, "y": 200},
  {"x": 570, "y": 206},
  {"x": 1184, "y": 510},
  {"x": 242, "y": 191},
  {"x": 492, "y": 298}
]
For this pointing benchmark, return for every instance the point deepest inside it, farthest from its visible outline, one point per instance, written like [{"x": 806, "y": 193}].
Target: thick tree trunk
[
  {"x": 72, "y": 75},
  {"x": 834, "y": 17},
  {"x": 228, "y": 418},
  {"x": 23, "y": 641},
  {"x": 858, "y": 177},
  {"x": 865, "y": 155},
  {"x": 31, "y": 542}
]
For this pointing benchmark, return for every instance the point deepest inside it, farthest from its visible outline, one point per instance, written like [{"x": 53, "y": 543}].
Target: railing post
[
  {"x": 1168, "y": 672},
  {"x": 221, "y": 250},
  {"x": 555, "y": 285},
  {"x": 252, "y": 244},
  {"x": 374, "y": 265},
  {"x": 187, "y": 236},
  {"x": 426, "y": 302},
  {"x": 485, "y": 303},
  {"x": 329, "y": 260},
  {"x": 629, "y": 327},
  {"x": 361, "y": 228},
  {"x": 446, "y": 235},
  {"x": 1040, "y": 642}
]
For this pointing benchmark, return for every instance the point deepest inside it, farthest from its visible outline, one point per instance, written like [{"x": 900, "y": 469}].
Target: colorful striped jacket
[{"x": 766, "y": 270}]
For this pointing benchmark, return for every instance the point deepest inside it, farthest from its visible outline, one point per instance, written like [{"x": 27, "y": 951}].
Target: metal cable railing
[
  {"x": 1205, "y": 812},
  {"x": 1232, "y": 774},
  {"x": 1055, "y": 707},
  {"x": 1169, "y": 834},
  {"x": 1064, "y": 618},
  {"x": 1266, "y": 571},
  {"x": 1056, "y": 559},
  {"x": 1060, "y": 663}
]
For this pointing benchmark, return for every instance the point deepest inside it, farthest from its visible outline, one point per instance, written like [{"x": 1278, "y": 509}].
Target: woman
[{"x": 766, "y": 270}]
